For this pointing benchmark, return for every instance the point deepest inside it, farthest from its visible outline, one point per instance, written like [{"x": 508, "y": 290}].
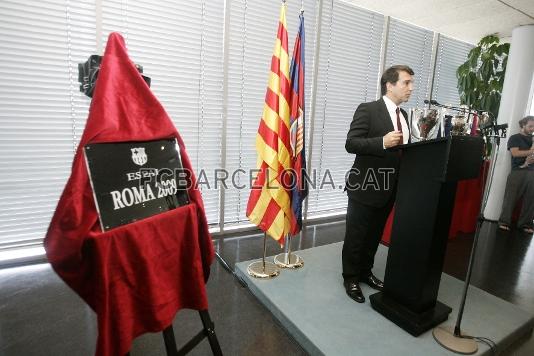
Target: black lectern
[{"x": 428, "y": 175}]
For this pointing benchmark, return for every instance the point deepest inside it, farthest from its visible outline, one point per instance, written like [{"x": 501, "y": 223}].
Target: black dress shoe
[
  {"x": 373, "y": 282},
  {"x": 354, "y": 291}
]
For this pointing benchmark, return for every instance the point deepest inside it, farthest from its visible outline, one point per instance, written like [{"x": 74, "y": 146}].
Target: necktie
[{"x": 399, "y": 125}]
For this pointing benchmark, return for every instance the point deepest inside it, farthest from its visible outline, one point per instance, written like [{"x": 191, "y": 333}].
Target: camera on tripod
[{"x": 88, "y": 74}]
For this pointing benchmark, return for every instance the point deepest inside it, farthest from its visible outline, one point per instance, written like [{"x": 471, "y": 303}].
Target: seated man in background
[{"x": 520, "y": 183}]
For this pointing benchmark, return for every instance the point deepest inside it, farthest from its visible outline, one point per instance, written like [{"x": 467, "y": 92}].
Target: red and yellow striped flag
[{"x": 269, "y": 204}]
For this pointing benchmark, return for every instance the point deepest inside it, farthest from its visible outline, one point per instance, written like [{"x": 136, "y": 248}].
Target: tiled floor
[{"x": 40, "y": 315}]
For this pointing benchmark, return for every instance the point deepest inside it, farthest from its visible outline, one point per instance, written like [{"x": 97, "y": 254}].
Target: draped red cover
[
  {"x": 466, "y": 207},
  {"x": 135, "y": 277}
]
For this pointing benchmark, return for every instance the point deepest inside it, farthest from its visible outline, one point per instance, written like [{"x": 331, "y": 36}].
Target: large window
[
  {"x": 349, "y": 60},
  {"x": 42, "y": 112},
  {"x": 412, "y": 46},
  {"x": 209, "y": 63},
  {"x": 451, "y": 54},
  {"x": 179, "y": 44}
]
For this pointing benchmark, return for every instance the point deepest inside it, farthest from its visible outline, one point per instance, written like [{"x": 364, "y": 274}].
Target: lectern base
[{"x": 413, "y": 323}]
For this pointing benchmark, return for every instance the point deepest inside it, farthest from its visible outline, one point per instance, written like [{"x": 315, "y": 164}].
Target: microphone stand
[{"x": 453, "y": 339}]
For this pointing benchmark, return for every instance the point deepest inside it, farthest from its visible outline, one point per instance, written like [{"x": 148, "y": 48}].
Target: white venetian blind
[
  {"x": 40, "y": 45},
  {"x": 179, "y": 44},
  {"x": 411, "y": 45},
  {"x": 253, "y": 27},
  {"x": 451, "y": 54},
  {"x": 349, "y": 60}
]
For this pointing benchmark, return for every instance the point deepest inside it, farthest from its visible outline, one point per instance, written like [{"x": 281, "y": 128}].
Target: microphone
[
  {"x": 432, "y": 102},
  {"x": 486, "y": 125},
  {"x": 501, "y": 127}
]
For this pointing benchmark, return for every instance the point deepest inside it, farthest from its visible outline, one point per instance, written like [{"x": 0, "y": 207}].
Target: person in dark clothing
[
  {"x": 371, "y": 183},
  {"x": 520, "y": 182}
]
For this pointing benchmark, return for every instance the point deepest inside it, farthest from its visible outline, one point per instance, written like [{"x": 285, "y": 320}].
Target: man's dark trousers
[{"x": 364, "y": 228}]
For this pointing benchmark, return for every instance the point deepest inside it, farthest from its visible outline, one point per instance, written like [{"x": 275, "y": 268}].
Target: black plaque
[{"x": 135, "y": 180}]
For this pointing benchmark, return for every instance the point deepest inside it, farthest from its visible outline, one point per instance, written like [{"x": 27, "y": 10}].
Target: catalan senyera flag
[
  {"x": 269, "y": 204},
  {"x": 299, "y": 188}
]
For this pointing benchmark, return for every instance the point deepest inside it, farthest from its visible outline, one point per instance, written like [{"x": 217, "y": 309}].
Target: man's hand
[
  {"x": 392, "y": 138},
  {"x": 529, "y": 160}
]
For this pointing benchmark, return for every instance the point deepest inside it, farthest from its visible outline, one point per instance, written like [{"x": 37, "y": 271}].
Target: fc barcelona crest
[{"x": 139, "y": 156}]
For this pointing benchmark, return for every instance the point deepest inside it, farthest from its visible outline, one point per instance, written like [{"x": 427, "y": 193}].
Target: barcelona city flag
[
  {"x": 269, "y": 204},
  {"x": 299, "y": 188}
]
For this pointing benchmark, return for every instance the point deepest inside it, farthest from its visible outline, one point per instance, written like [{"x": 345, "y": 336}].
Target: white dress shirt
[{"x": 392, "y": 107}]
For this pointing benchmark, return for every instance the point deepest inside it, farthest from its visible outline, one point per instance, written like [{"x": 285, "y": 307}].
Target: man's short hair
[
  {"x": 391, "y": 75},
  {"x": 525, "y": 120}
]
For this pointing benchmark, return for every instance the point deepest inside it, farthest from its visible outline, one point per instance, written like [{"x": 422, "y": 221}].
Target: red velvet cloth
[
  {"x": 135, "y": 277},
  {"x": 466, "y": 207}
]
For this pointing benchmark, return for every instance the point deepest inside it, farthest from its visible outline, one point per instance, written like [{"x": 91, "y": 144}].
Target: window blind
[
  {"x": 451, "y": 54},
  {"x": 179, "y": 44},
  {"x": 44, "y": 114},
  {"x": 41, "y": 109},
  {"x": 412, "y": 46},
  {"x": 349, "y": 60}
]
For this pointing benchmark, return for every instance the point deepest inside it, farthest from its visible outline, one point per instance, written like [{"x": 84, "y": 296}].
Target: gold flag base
[
  {"x": 288, "y": 260},
  {"x": 444, "y": 335},
  {"x": 260, "y": 270}
]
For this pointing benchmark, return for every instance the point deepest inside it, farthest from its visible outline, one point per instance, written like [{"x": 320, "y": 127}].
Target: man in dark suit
[{"x": 371, "y": 183}]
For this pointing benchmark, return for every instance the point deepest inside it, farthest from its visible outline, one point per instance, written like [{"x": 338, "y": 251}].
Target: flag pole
[
  {"x": 263, "y": 269},
  {"x": 264, "y": 249},
  {"x": 288, "y": 259}
]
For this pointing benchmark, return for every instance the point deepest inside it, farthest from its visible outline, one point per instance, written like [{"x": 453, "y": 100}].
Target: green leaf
[
  {"x": 473, "y": 78},
  {"x": 488, "y": 40},
  {"x": 488, "y": 70},
  {"x": 472, "y": 58},
  {"x": 462, "y": 70},
  {"x": 490, "y": 102},
  {"x": 486, "y": 56},
  {"x": 503, "y": 49},
  {"x": 497, "y": 104},
  {"x": 498, "y": 97},
  {"x": 484, "y": 69}
]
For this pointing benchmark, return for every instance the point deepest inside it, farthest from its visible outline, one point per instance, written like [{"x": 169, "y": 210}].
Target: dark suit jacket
[{"x": 367, "y": 182}]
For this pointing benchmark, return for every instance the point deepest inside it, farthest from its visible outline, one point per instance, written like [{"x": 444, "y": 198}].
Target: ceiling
[{"x": 466, "y": 20}]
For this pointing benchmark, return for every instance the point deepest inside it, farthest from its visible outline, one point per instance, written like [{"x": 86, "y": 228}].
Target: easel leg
[
  {"x": 209, "y": 329},
  {"x": 170, "y": 342}
]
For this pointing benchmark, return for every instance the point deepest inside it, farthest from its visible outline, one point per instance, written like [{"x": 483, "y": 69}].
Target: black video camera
[{"x": 88, "y": 74}]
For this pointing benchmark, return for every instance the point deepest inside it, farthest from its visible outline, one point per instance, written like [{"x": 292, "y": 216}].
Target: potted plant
[{"x": 481, "y": 77}]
